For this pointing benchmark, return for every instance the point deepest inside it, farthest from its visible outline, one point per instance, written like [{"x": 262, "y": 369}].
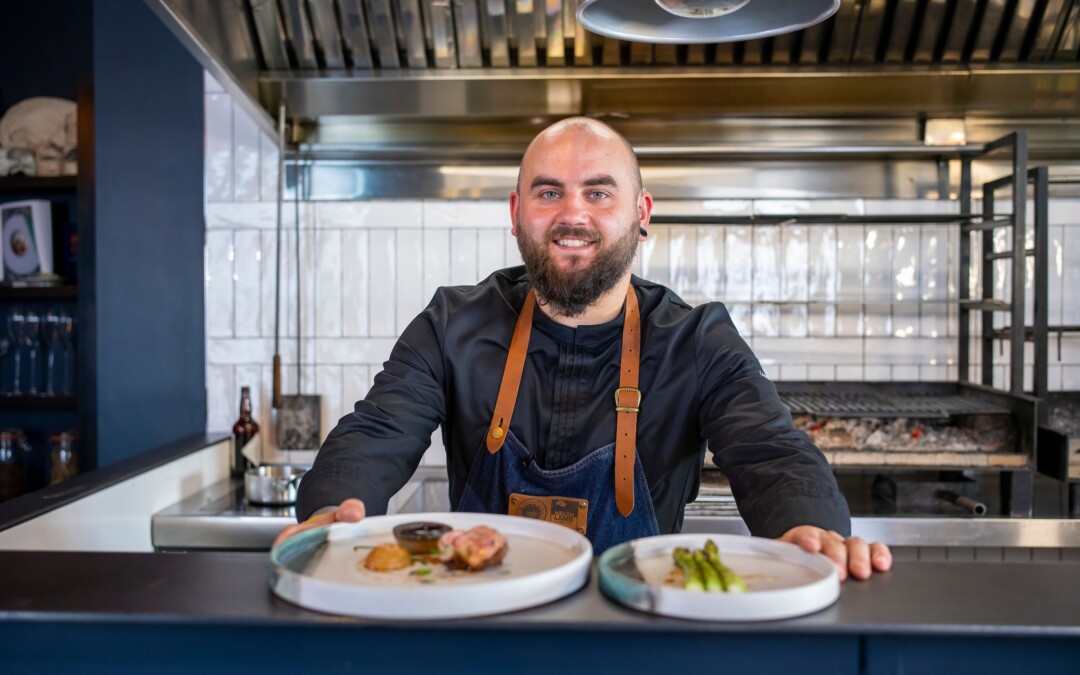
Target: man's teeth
[{"x": 572, "y": 242}]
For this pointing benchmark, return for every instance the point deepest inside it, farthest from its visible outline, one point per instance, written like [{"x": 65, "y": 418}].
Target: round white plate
[
  {"x": 323, "y": 569},
  {"x": 782, "y": 580}
]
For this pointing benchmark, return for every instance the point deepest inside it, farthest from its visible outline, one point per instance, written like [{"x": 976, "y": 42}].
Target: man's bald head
[{"x": 591, "y": 126}]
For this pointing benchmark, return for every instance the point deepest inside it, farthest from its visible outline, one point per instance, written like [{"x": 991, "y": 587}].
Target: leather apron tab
[
  {"x": 511, "y": 379},
  {"x": 627, "y": 396},
  {"x": 566, "y": 511}
]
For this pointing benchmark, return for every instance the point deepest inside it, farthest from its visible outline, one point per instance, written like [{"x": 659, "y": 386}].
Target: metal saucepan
[{"x": 272, "y": 484}]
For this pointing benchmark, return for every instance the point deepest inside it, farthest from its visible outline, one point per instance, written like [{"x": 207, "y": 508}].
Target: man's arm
[
  {"x": 373, "y": 451},
  {"x": 780, "y": 480}
]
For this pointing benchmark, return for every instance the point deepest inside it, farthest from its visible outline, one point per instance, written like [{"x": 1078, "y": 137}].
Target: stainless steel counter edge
[{"x": 901, "y": 531}]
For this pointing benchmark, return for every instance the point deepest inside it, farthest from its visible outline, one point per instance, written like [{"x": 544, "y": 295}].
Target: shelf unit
[
  {"x": 41, "y": 416},
  {"x": 1017, "y": 481}
]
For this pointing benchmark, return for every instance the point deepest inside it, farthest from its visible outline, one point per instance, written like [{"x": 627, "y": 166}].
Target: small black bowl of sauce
[{"x": 420, "y": 537}]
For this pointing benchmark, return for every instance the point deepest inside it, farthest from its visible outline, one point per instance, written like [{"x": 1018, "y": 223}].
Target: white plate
[
  {"x": 782, "y": 580},
  {"x": 322, "y": 569}
]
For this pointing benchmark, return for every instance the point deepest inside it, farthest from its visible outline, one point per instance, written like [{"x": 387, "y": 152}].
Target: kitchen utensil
[
  {"x": 272, "y": 484},
  {"x": 299, "y": 416},
  {"x": 318, "y": 569},
  {"x": 783, "y": 580}
]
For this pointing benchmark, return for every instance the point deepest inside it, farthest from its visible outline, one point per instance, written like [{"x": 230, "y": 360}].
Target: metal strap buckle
[{"x": 636, "y": 407}]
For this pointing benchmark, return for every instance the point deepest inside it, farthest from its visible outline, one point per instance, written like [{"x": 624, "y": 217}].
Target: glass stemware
[
  {"x": 67, "y": 352},
  {"x": 51, "y": 337},
  {"x": 33, "y": 333},
  {"x": 16, "y": 325}
]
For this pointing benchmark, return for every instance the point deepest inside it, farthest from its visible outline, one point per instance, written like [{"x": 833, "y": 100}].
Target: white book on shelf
[{"x": 27, "y": 239}]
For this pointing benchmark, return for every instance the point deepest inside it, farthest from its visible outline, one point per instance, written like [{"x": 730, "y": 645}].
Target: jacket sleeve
[
  {"x": 778, "y": 476},
  {"x": 373, "y": 451}
]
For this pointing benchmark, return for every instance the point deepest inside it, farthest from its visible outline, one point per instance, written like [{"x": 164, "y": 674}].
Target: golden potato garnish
[{"x": 387, "y": 557}]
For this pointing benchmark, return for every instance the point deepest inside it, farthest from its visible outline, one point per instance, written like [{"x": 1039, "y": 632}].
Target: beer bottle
[{"x": 244, "y": 431}]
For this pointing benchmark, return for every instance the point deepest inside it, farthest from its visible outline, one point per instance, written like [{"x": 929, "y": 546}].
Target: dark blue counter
[{"x": 214, "y": 612}]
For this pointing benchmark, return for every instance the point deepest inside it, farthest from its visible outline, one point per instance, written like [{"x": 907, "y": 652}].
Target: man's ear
[
  {"x": 645, "y": 207},
  {"x": 513, "y": 212}
]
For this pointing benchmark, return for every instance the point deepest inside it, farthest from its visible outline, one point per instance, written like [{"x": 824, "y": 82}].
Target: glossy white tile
[
  {"x": 765, "y": 319},
  {"x": 653, "y": 257},
  {"x": 246, "y": 157},
  {"x": 710, "y": 264},
  {"x": 765, "y": 275},
  {"x": 794, "y": 320},
  {"x": 409, "y": 292},
  {"x": 682, "y": 260},
  {"x": 363, "y": 351},
  {"x": 821, "y": 320},
  {"x": 850, "y": 244},
  {"x": 811, "y": 351},
  {"x": 808, "y": 206},
  {"x": 268, "y": 169},
  {"x": 219, "y": 283},
  {"x": 821, "y": 373},
  {"x": 490, "y": 252},
  {"x": 247, "y": 277},
  {"x": 738, "y": 264},
  {"x": 237, "y": 351},
  {"x": 877, "y": 271},
  {"x": 796, "y": 371},
  {"x": 436, "y": 261},
  {"x": 466, "y": 214},
  {"x": 329, "y": 283},
  {"x": 380, "y": 214},
  {"x": 355, "y": 283},
  {"x": 329, "y": 383},
  {"x": 464, "y": 266},
  {"x": 218, "y": 147},
  {"x": 383, "y": 280},
  {"x": 795, "y": 263},
  {"x": 1070, "y": 311},
  {"x": 822, "y": 272}
]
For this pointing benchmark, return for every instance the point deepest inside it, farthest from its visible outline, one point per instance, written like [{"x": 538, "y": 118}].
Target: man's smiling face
[{"x": 577, "y": 212}]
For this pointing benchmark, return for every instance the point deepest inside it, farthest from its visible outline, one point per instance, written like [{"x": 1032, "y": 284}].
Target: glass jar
[
  {"x": 65, "y": 463},
  {"x": 12, "y": 472}
]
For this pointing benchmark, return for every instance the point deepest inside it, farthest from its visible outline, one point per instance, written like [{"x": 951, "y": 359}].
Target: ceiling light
[{"x": 700, "y": 21}]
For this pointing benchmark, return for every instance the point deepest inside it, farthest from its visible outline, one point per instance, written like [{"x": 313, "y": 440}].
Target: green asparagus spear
[
  {"x": 709, "y": 573},
  {"x": 692, "y": 580},
  {"x": 731, "y": 581}
]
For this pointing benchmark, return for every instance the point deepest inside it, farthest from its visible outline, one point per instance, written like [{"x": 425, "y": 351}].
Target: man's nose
[{"x": 575, "y": 209}]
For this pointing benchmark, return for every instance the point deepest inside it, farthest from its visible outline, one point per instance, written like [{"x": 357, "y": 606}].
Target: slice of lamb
[{"x": 474, "y": 549}]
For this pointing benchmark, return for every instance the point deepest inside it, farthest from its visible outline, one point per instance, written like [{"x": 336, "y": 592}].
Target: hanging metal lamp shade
[{"x": 700, "y": 21}]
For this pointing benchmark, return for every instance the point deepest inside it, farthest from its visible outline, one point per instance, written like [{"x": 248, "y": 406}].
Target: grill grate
[{"x": 888, "y": 406}]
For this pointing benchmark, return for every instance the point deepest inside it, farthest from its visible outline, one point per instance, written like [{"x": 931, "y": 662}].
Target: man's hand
[
  {"x": 350, "y": 511},
  {"x": 852, "y": 555}
]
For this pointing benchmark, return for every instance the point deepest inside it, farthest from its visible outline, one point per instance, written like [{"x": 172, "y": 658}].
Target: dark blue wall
[
  {"x": 145, "y": 288},
  {"x": 44, "y": 49}
]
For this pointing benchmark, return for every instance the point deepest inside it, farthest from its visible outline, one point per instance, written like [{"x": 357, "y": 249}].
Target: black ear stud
[{"x": 644, "y": 233}]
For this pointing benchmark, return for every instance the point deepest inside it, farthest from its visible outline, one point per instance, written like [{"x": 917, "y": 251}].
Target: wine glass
[
  {"x": 67, "y": 340},
  {"x": 33, "y": 333},
  {"x": 16, "y": 324},
  {"x": 51, "y": 337}
]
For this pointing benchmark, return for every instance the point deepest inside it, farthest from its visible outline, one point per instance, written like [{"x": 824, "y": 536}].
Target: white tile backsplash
[{"x": 816, "y": 302}]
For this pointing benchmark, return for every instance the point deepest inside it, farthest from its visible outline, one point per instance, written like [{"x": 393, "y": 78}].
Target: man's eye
[
  {"x": 598, "y": 194},
  {"x": 548, "y": 194}
]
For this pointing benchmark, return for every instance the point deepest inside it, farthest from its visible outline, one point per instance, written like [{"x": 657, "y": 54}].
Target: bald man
[{"x": 570, "y": 390}]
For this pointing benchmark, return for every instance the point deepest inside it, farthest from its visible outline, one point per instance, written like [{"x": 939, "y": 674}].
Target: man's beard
[{"x": 570, "y": 293}]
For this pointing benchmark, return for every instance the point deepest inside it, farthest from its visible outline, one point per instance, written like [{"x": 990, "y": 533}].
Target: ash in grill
[{"x": 930, "y": 425}]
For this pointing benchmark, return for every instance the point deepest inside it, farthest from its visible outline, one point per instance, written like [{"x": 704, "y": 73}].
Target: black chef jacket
[{"x": 701, "y": 385}]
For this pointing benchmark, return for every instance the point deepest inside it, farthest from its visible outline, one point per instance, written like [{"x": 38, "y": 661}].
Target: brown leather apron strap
[
  {"x": 627, "y": 405},
  {"x": 511, "y": 379},
  {"x": 627, "y": 396}
]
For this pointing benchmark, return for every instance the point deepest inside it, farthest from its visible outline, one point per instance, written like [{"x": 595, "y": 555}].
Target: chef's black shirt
[{"x": 701, "y": 386}]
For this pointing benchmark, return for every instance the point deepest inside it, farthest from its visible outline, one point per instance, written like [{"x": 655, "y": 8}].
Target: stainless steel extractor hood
[{"x": 350, "y": 70}]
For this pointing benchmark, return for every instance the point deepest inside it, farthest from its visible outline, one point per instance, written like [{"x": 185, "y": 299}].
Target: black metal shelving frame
[{"x": 947, "y": 399}]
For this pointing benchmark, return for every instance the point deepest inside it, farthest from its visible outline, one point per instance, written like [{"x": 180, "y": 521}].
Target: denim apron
[{"x": 604, "y": 495}]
